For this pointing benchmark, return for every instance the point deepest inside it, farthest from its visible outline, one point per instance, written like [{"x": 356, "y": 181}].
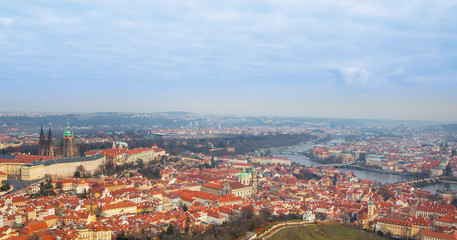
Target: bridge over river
[{"x": 421, "y": 180}]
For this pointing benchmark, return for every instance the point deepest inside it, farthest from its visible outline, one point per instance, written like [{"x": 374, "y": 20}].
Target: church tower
[
  {"x": 254, "y": 180},
  {"x": 68, "y": 149},
  {"x": 371, "y": 208},
  {"x": 42, "y": 144},
  {"x": 50, "y": 144}
]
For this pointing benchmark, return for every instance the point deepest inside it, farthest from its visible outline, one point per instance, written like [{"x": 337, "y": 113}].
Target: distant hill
[{"x": 177, "y": 120}]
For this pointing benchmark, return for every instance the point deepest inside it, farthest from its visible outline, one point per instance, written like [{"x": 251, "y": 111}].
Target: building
[
  {"x": 374, "y": 160},
  {"x": 427, "y": 235},
  {"x": 221, "y": 189},
  {"x": 64, "y": 167},
  {"x": 126, "y": 207},
  {"x": 309, "y": 216},
  {"x": 65, "y": 148},
  {"x": 401, "y": 228},
  {"x": 32, "y": 172},
  {"x": 273, "y": 161},
  {"x": 120, "y": 154},
  {"x": 367, "y": 216}
]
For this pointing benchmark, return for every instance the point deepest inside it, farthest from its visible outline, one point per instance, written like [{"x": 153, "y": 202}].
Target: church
[
  {"x": 244, "y": 187},
  {"x": 65, "y": 148},
  {"x": 367, "y": 215}
]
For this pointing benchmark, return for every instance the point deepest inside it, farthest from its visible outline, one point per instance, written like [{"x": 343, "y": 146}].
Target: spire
[
  {"x": 42, "y": 137},
  {"x": 49, "y": 136},
  {"x": 371, "y": 201},
  {"x": 42, "y": 143},
  {"x": 68, "y": 132}
]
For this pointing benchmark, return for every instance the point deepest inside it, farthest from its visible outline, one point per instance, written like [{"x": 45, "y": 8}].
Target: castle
[{"x": 67, "y": 148}]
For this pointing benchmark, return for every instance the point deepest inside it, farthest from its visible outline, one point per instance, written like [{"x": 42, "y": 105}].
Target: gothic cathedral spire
[
  {"x": 42, "y": 143},
  {"x": 50, "y": 144}
]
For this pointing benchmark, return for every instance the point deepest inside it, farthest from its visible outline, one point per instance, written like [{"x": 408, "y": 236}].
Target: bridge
[
  {"x": 336, "y": 165},
  {"x": 415, "y": 181},
  {"x": 422, "y": 180}
]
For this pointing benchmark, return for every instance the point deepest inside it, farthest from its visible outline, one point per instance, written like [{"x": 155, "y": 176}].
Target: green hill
[{"x": 323, "y": 232}]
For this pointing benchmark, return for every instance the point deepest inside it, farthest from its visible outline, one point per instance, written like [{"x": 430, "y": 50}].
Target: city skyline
[{"x": 337, "y": 59}]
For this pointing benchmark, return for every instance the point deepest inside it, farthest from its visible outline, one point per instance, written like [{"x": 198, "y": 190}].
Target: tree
[
  {"x": 170, "y": 230},
  {"x": 448, "y": 170},
  {"x": 80, "y": 171},
  {"x": 247, "y": 212},
  {"x": 321, "y": 216},
  {"x": 4, "y": 152},
  {"x": 388, "y": 235},
  {"x": 187, "y": 224},
  {"x": 109, "y": 166},
  {"x": 5, "y": 186},
  {"x": 386, "y": 193},
  {"x": 140, "y": 163},
  {"x": 184, "y": 208}
]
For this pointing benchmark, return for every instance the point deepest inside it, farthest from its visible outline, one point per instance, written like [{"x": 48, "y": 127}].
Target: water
[
  {"x": 377, "y": 177},
  {"x": 292, "y": 153},
  {"x": 435, "y": 186}
]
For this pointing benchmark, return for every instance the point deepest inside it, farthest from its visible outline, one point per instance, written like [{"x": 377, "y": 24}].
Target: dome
[
  {"x": 244, "y": 175},
  {"x": 67, "y": 132}
]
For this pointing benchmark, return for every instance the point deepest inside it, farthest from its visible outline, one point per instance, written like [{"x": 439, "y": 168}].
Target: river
[{"x": 377, "y": 177}]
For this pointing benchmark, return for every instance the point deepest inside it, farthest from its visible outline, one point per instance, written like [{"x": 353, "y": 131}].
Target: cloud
[
  {"x": 5, "y": 21},
  {"x": 356, "y": 77},
  {"x": 398, "y": 71}
]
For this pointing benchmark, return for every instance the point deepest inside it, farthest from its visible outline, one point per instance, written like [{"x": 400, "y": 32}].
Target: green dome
[
  {"x": 244, "y": 175},
  {"x": 67, "y": 132}
]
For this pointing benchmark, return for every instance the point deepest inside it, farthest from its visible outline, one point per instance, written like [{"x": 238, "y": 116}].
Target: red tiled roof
[{"x": 436, "y": 235}]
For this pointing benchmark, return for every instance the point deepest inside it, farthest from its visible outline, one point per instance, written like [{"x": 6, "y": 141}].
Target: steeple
[
  {"x": 50, "y": 144},
  {"x": 68, "y": 132},
  {"x": 42, "y": 143},
  {"x": 371, "y": 207}
]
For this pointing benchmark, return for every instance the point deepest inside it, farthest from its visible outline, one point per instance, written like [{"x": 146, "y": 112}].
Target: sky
[{"x": 340, "y": 59}]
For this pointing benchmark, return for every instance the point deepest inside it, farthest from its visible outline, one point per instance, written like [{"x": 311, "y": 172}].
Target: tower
[
  {"x": 42, "y": 144},
  {"x": 371, "y": 207},
  {"x": 50, "y": 144},
  {"x": 254, "y": 180},
  {"x": 68, "y": 150}
]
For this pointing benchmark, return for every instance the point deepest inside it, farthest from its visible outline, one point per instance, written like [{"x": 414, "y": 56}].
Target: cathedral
[{"x": 65, "y": 148}]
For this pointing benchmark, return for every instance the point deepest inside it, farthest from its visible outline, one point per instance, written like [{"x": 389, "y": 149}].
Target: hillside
[{"x": 323, "y": 232}]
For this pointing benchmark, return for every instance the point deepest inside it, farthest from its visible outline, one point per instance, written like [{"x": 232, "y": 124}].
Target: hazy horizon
[
  {"x": 332, "y": 59},
  {"x": 47, "y": 113}
]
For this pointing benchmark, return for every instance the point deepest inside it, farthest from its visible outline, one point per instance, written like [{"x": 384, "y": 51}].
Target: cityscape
[
  {"x": 231, "y": 179},
  {"x": 236, "y": 120}
]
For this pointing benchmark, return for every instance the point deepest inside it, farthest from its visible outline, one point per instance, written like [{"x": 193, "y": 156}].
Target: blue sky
[{"x": 344, "y": 59}]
